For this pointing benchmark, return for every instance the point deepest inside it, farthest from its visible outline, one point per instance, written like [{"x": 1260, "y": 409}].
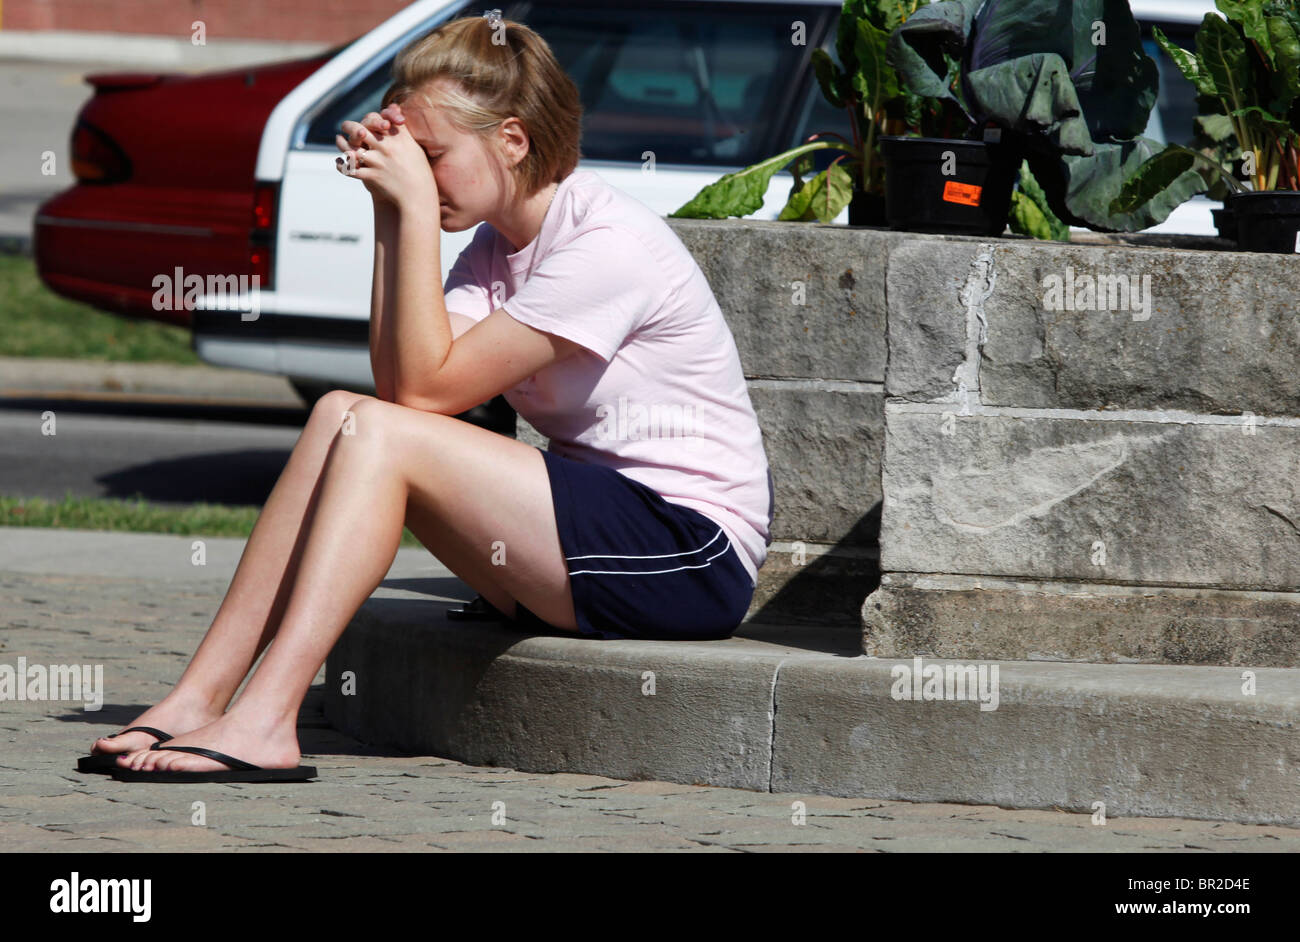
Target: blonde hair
[{"x": 491, "y": 81}]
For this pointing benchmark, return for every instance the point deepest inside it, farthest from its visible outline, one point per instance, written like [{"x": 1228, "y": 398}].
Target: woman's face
[{"x": 473, "y": 185}]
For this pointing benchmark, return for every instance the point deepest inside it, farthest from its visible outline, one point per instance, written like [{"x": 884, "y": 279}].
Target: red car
[{"x": 172, "y": 185}]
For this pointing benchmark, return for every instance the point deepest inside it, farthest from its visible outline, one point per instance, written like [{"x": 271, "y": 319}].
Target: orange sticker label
[{"x": 968, "y": 194}]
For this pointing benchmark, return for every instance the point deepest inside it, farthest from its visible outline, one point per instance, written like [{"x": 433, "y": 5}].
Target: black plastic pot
[
  {"x": 1268, "y": 221},
  {"x": 973, "y": 199},
  {"x": 867, "y": 209}
]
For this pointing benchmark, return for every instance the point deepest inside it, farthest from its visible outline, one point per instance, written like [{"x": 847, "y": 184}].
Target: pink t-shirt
[{"x": 658, "y": 393}]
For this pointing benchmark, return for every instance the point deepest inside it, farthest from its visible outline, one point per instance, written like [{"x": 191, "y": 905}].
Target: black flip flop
[
  {"x": 478, "y": 610},
  {"x": 107, "y": 761},
  {"x": 240, "y": 771}
]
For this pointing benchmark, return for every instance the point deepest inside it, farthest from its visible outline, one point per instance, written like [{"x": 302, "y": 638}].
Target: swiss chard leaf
[
  {"x": 822, "y": 198},
  {"x": 1216, "y": 128},
  {"x": 1187, "y": 63},
  {"x": 874, "y": 81},
  {"x": 1249, "y": 15},
  {"x": 833, "y": 82},
  {"x": 1284, "y": 35},
  {"x": 741, "y": 193},
  {"x": 1030, "y": 213},
  {"x": 1222, "y": 52}
]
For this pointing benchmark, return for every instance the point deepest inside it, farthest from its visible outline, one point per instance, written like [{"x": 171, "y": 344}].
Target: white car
[{"x": 708, "y": 87}]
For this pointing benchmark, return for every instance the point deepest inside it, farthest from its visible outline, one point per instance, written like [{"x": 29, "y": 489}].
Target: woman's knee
[{"x": 335, "y": 404}]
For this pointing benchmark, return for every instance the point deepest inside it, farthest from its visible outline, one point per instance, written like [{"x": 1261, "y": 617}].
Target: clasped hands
[{"x": 380, "y": 151}]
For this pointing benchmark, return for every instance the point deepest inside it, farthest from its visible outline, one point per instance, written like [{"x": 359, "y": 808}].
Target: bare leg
[
  {"x": 254, "y": 605},
  {"x": 489, "y": 489}
]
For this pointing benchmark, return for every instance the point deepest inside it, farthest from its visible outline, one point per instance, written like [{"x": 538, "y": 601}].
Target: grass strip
[
  {"x": 136, "y": 515},
  {"x": 35, "y": 322}
]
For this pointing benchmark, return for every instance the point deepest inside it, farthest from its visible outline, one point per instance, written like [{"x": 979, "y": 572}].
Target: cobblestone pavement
[{"x": 143, "y": 631}]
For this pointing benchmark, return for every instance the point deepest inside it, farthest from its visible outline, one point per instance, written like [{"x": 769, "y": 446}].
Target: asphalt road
[{"x": 168, "y": 453}]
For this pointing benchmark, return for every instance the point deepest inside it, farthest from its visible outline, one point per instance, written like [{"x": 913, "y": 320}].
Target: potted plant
[
  {"x": 869, "y": 89},
  {"x": 944, "y": 178},
  {"x": 1246, "y": 69},
  {"x": 1067, "y": 85}
]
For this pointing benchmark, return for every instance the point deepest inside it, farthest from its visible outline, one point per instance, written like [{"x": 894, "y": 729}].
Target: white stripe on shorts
[
  {"x": 655, "y": 556},
  {"x": 652, "y": 572}
]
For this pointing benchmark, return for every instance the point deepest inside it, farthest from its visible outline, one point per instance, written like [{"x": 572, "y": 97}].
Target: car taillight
[
  {"x": 96, "y": 158},
  {"x": 262, "y": 236}
]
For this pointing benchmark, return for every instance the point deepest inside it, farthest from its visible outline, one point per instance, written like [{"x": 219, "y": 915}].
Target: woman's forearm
[
  {"x": 381, "y": 299},
  {"x": 419, "y": 330}
]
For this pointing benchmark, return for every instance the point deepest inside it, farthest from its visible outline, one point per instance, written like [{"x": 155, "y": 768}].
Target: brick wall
[{"x": 332, "y": 21}]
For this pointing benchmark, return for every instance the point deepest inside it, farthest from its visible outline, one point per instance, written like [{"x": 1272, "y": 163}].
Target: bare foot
[
  {"x": 268, "y": 748},
  {"x": 173, "y": 719}
]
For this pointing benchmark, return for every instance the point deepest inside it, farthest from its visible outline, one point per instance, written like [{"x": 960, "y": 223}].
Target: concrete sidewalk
[
  {"x": 48, "y": 377},
  {"x": 137, "y": 605}
]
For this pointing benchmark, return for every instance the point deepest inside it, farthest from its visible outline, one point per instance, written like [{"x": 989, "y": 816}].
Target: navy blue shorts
[{"x": 639, "y": 566}]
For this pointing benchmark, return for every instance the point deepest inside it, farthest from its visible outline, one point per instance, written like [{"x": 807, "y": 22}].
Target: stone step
[{"x": 800, "y": 709}]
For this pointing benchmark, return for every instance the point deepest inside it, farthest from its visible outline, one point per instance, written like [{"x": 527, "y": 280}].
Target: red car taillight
[
  {"x": 262, "y": 236},
  {"x": 96, "y": 158}
]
